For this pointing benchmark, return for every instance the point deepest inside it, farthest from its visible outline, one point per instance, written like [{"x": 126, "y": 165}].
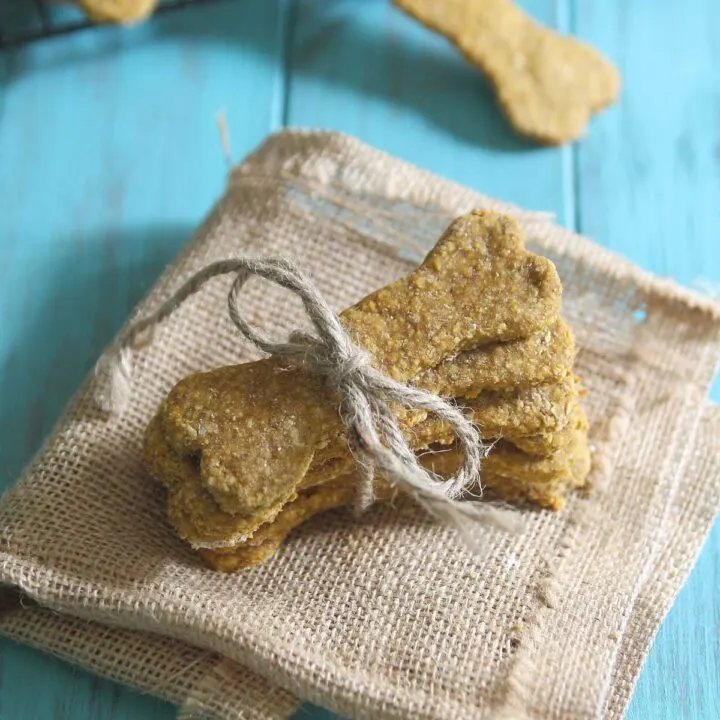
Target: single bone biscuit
[
  {"x": 477, "y": 285},
  {"x": 191, "y": 508},
  {"x": 269, "y": 538},
  {"x": 514, "y": 476},
  {"x": 510, "y": 413},
  {"x": 256, "y": 426},
  {"x": 517, "y": 477},
  {"x": 548, "y": 85}
]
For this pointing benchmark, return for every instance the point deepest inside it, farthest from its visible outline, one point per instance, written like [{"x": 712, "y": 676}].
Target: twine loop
[{"x": 367, "y": 396}]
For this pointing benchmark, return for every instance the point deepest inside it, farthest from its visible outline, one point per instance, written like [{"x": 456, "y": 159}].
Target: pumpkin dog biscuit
[
  {"x": 255, "y": 427},
  {"x": 516, "y": 476},
  {"x": 548, "y": 85},
  {"x": 510, "y": 413},
  {"x": 191, "y": 509},
  {"x": 269, "y": 538}
]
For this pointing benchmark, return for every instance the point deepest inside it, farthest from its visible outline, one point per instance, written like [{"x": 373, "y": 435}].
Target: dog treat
[
  {"x": 511, "y": 412},
  {"x": 118, "y": 11},
  {"x": 200, "y": 520},
  {"x": 256, "y": 426},
  {"x": 269, "y": 538},
  {"x": 477, "y": 285},
  {"x": 516, "y": 476},
  {"x": 249, "y": 452},
  {"x": 548, "y": 85},
  {"x": 536, "y": 415}
]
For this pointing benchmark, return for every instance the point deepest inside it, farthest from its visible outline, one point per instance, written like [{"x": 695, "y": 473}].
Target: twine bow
[{"x": 366, "y": 396}]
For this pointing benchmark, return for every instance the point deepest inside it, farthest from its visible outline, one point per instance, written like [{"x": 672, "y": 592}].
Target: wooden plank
[
  {"x": 109, "y": 157},
  {"x": 648, "y": 187},
  {"x": 35, "y": 686},
  {"x": 367, "y": 69}
]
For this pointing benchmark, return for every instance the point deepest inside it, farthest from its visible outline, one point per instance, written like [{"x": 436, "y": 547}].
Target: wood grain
[
  {"x": 648, "y": 185},
  {"x": 109, "y": 157},
  {"x": 367, "y": 69}
]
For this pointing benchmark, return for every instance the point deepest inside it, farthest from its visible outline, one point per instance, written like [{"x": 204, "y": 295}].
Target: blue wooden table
[{"x": 109, "y": 157}]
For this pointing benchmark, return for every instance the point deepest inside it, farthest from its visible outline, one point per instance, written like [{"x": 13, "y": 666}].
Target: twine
[{"x": 366, "y": 396}]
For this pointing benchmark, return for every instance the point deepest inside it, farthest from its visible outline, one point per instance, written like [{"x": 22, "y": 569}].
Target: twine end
[{"x": 224, "y": 134}]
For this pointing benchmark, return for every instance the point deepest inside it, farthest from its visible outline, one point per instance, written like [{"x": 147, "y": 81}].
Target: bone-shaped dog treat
[
  {"x": 255, "y": 427},
  {"x": 197, "y": 517},
  {"x": 543, "y": 357},
  {"x": 512, "y": 413},
  {"x": 191, "y": 508},
  {"x": 517, "y": 477},
  {"x": 507, "y": 470},
  {"x": 477, "y": 285},
  {"x": 548, "y": 85},
  {"x": 270, "y": 537}
]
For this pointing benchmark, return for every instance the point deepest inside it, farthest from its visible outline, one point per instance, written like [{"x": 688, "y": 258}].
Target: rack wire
[{"x": 42, "y": 22}]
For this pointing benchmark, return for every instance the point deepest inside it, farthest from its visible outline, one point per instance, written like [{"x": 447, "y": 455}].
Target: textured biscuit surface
[
  {"x": 516, "y": 476},
  {"x": 248, "y": 452}
]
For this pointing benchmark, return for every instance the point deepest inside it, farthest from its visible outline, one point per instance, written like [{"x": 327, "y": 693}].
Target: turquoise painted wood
[
  {"x": 648, "y": 185},
  {"x": 109, "y": 157}
]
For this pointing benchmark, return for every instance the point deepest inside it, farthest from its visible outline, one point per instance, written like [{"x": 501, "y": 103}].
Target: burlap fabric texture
[{"x": 387, "y": 616}]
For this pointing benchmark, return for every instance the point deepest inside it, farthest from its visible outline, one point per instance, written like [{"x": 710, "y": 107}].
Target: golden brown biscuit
[
  {"x": 547, "y": 84},
  {"x": 537, "y": 412},
  {"x": 269, "y": 537},
  {"x": 255, "y": 427},
  {"x": 514, "y": 476},
  {"x": 543, "y": 357},
  {"x": 476, "y": 286},
  {"x": 199, "y": 520}
]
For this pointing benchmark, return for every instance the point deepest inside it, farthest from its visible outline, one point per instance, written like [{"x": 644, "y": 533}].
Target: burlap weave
[{"x": 387, "y": 616}]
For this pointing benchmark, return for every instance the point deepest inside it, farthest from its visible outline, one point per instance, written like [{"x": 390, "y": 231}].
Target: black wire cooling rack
[{"x": 38, "y": 20}]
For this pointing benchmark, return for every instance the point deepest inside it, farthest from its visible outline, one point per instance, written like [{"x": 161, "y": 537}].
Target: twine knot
[{"x": 367, "y": 396}]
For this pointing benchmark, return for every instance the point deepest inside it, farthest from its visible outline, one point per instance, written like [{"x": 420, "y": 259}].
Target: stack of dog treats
[{"x": 249, "y": 452}]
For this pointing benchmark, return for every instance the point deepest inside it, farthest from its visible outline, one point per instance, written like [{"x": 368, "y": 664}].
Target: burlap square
[{"x": 387, "y": 616}]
